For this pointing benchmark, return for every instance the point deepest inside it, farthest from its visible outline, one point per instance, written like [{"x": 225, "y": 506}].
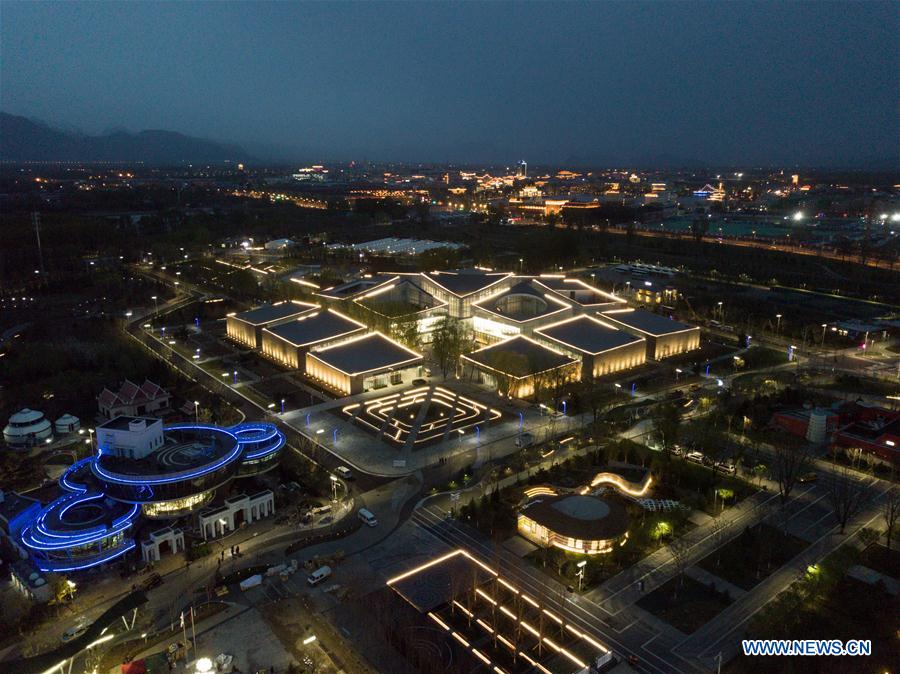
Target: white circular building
[
  {"x": 67, "y": 423},
  {"x": 27, "y": 428}
]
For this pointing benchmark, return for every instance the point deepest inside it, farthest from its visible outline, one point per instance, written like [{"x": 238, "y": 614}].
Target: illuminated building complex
[
  {"x": 664, "y": 336},
  {"x": 368, "y": 362},
  {"x": 574, "y": 522},
  {"x": 520, "y": 366},
  {"x": 531, "y": 329},
  {"x": 247, "y": 327},
  {"x": 601, "y": 348},
  {"x": 143, "y": 471},
  {"x": 288, "y": 343}
]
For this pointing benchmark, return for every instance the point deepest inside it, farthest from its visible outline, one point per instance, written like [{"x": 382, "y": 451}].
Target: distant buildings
[{"x": 129, "y": 399}]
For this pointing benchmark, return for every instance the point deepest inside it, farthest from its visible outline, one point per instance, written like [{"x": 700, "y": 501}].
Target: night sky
[{"x": 722, "y": 83}]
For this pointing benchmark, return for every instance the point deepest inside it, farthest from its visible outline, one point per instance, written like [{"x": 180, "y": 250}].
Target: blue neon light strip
[
  {"x": 205, "y": 470},
  {"x": 249, "y": 434},
  {"x": 268, "y": 450},
  {"x": 74, "y": 468},
  {"x": 45, "y": 565},
  {"x": 39, "y": 536}
]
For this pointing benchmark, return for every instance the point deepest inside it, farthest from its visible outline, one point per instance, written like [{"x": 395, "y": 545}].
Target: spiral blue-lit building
[{"x": 144, "y": 471}]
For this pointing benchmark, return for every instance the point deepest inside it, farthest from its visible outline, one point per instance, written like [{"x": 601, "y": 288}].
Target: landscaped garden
[
  {"x": 828, "y": 604},
  {"x": 685, "y": 603},
  {"x": 753, "y": 555}
]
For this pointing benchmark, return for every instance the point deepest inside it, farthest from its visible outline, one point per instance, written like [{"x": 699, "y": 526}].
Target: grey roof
[
  {"x": 440, "y": 583},
  {"x": 372, "y": 352},
  {"x": 356, "y": 286},
  {"x": 583, "y": 517},
  {"x": 646, "y": 321},
  {"x": 523, "y": 288},
  {"x": 519, "y": 357},
  {"x": 465, "y": 282},
  {"x": 565, "y": 285},
  {"x": 120, "y": 423},
  {"x": 267, "y": 313},
  {"x": 587, "y": 335},
  {"x": 315, "y": 328}
]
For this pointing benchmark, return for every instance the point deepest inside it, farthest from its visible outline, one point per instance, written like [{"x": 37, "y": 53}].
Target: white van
[
  {"x": 367, "y": 517},
  {"x": 344, "y": 472},
  {"x": 319, "y": 575}
]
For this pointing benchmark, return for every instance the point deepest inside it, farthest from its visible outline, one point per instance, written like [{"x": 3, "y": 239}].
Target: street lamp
[
  {"x": 282, "y": 405},
  {"x": 778, "y": 323},
  {"x": 155, "y": 304},
  {"x": 235, "y": 376},
  {"x": 334, "y": 482},
  {"x": 824, "y": 326},
  {"x": 197, "y": 411},
  {"x": 580, "y": 573},
  {"x": 91, "y": 432}
]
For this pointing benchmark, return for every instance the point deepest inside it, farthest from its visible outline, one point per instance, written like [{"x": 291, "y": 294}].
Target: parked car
[
  {"x": 318, "y": 575},
  {"x": 726, "y": 467},
  {"x": 344, "y": 472},
  {"x": 74, "y": 632},
  {"x": 367, "y": 517},
  {"x": 420, "y": 382},
  {"x": 808, "y": 477},
  {"x": 695, "y": 457}
]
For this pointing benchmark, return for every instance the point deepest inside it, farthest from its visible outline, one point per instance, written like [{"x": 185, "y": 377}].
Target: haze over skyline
[{"x": 725, "y": 83}]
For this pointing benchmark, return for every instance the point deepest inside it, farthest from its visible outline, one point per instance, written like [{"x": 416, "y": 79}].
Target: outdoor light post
[
  {"x": 155, "y": 304},
  {"x": 91, "y": 433},
  {"x": 824, "y": 326},
  {"x": 197, "y": 411},
  {"x": 580, "y": 573},
  {"x": 778, "y": 323},
  {"x": 282, "y": 405},
  {"x": 334, "y": 481}
]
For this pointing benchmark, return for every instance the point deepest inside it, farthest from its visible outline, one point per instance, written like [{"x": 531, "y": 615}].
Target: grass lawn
[
  {"x": 885, "y": 561},
  {"x": 760, "y": 357},
  {"x": 752, "y": 556},
  {"x": 855, "y": 384},
  {"x": 844, "y": 608},
  {"x": 684, "y": 603}
]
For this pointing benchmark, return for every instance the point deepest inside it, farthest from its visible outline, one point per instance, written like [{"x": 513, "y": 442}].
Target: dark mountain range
[{"x": 23, "y": 139}]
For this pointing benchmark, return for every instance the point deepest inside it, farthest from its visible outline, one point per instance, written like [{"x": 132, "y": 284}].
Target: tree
[
  {"x": 667, "y": 425},
  {"x": 890, "y": 510},
  {"x": 787, "y": 467},
  {"x": 449, "y": 340},
  {"x": 846, "y": 494},
  {"x": 699, "y": 227},
  {"x": 679, "y": 549}
]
